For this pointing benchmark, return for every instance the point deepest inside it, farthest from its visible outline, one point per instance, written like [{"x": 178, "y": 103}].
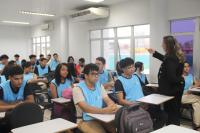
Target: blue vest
[
  {"x": 28, "y": 76},
  {"x": 188, "y": 81},
  {"x": 41, "y": 71},
  {"x": 18, "y": 63},
  {"x": 142, "y": 77},
  {"x": 104, "y": 77},
  {"x": 9, "y": 95},
  {"x": 92, "y": 97},
  {"x": 2, "y": 79},
  {"x": 132, "y": 88},
  {"x": 62, "y": 86},
  {"x": 2, "y": 66},
  {"x": 53, "y": 65}
]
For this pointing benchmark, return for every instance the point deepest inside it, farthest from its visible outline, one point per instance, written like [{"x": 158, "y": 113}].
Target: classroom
[{"x": 99, "y": 66}]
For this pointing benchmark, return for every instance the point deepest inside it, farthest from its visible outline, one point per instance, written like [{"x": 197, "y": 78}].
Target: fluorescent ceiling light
[
  {"x": 96, "y": 1},
  {"x": 15, "y": 22},
  {"x": 36, "y": 13}
]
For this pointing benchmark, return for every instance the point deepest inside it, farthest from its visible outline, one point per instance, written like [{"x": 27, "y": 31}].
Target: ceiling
[{"x": 9, "y": 9}]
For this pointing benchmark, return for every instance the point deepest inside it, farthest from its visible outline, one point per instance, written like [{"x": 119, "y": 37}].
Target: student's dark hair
[
  {"x": 138, "y": 65},
  {"x": 16, "y": 55},
  {"x": 55, "y": 54},
  {"x": 15, "y": 70},
  {"x": 72, "y": 69},
  {"x": 89, "y": 68},
  {"x": 32, "y": 56},
  {"x": 126, "y": 62},
  {"x": 12, "y": 62},
  {"x": 26, "y": 64},
  {"x": 42, "y": 59},
  {"x": 173, "y": 47},
  {"x": 101, "y": 59},
  {"x": 82, "y": 60},
  {"x": 4, "y": 56},
  {"x": 57, "y": 73},
  {"x": 23, "y": 61},
  {"x": 70, "y": 57},
  {"x": 118, "y": 69},
  {"x": 41, "y": 55}
]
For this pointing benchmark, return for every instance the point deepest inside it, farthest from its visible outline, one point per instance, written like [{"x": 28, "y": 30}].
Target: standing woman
[{"x": 170, "y": 80}]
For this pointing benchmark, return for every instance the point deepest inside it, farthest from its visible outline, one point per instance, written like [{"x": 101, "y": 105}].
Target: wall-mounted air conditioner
[{"x": 90, "y": 14}]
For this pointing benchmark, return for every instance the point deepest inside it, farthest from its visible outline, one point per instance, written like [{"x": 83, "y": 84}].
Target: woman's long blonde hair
[{"x": 173, "y": 47}]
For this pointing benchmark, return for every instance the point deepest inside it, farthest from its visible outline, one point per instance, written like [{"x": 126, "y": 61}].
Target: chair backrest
[{"x": 25, "y": 114}]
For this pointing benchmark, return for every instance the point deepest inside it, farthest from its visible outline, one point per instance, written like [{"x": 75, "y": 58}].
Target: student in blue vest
[
  {"x": 4, "y": 61},
  {"x": 139, "y": 68},
  {"x": 33, "y": 61},
  {"x": 14, "y": 91},
  {"x": 105, "y": 77},
  {"x": 2, "y": 79},
  {"x": 89, "y": 96},
  {"x": 63, "y": 80},
  {"x": 188, "y": 97},
  {"x": 29, "y": 76},
  {"x": 129, "y": 89},
  {"x": 42, "y": 68},
  {"x": 18, "y": 62},
  {"x": 54, "y": 62}
]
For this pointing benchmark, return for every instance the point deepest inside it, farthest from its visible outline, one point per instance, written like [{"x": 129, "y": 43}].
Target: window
[
  {"x": 41, "y": 45},
  {"x": 118, "y": 43},
  {"x": 142, "y": 41},
  {"x": 184, "y": 30}
]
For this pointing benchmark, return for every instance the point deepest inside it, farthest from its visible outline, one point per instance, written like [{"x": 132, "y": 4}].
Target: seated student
[
  {"x": 80, "y": 66},
  {"x": 42, "y": 68},
  {"x": 189, "y": 98},
  {"x": 88, "y": 97},
  {"x": 105, "y": 78},
  {"x": 128, "y": 90},
  {"x": 139, "y": 68},
  {"x": 18, "y": 62},
  {"x": 70, "y": 59},
  {"x": 4, "y": 61},
  {"x": 33, "y": 61},
  {"x": 54, "y": 62},
  {"x": 14, "y": 91},
  {"x": 38, "y": 60},
  {"x": 29, "y": 76},
  {"x": 49, "y": 58},
  {"x": 62, "y": 81},
  {"x": 5, "y": 71}
]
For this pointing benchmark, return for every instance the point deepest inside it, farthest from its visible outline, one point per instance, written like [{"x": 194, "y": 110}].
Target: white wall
[
  {"x": 79, "y": 45},
  {"x": 15, "y": 40},
  {"x": 58, "y": 33}
]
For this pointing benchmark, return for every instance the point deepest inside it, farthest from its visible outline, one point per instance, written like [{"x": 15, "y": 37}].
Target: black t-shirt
[{"x": 27, "y": 91}]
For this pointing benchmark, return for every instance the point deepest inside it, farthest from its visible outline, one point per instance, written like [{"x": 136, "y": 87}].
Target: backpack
[{"x": 133, "y": 119}]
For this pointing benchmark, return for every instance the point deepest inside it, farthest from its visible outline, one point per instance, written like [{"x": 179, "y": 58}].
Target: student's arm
[
  {"x": 106, "y": 99},
  {"x": 5, "y": 106},
  {"x": 120, "y": 94},
  {"x": 53, "y": 91},
  {"x": 49, "y": 69},
  {"x": 123, "y": 101},
  {"x": 80, "y": 101}
]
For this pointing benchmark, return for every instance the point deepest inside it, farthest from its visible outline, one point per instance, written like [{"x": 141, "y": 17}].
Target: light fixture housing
[
  {"x": 95, "y": 1},
  {"x": 14, "y": 22},
  {"x": 36, "y": 13}
]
